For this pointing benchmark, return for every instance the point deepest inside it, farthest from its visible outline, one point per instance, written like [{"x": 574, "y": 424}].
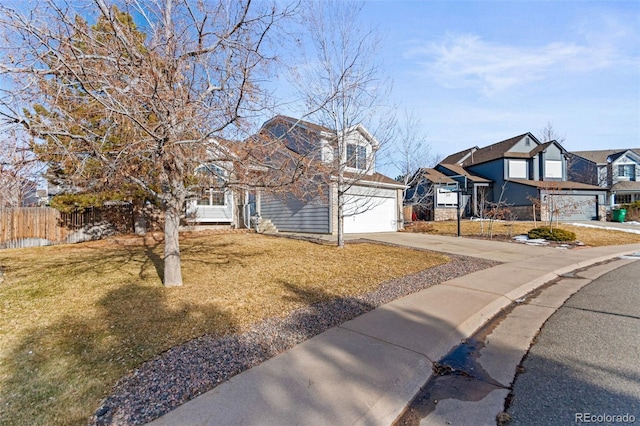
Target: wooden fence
[{"x": 39, "y": 226}]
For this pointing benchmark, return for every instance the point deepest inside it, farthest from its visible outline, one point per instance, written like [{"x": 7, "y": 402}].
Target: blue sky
[{"x": 478, "y": 72}]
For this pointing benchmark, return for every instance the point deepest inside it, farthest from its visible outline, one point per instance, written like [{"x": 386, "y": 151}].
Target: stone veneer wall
[{"x": 440, "y": 214}]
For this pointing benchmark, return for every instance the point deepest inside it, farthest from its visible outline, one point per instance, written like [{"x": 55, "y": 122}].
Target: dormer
[
  {"x": 356, "y": 146},
  {"x": 359, "y": 150},
  {"x": 549, "y": 160},
  {"x": 625, "y": 166}
]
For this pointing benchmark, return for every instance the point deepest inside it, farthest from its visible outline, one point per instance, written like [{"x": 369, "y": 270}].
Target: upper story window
[
  {"x": 553, "y": 169},
  {"x": 357, "y": 156},
  {"x": 627, "y": 171},
  {"x": 518, "y": 169}
]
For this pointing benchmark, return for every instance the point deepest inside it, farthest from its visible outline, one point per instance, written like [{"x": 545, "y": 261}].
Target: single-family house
[
  {"x": 521, "y": 172},
  {"x": 372, "y": 202},
  {"x": 432, "y": 195},
  {"x": 617, "y": 170}
]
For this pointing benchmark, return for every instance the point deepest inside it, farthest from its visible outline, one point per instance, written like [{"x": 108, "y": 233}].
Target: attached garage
[
  {"x": 576, "y": 207},
  {"x": 371, "y": 205},
  {"x": 370, "y": 210},
  {"x": 562, "y": 200}
]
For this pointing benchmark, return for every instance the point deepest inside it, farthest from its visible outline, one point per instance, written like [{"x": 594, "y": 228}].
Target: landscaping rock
[{"x": 188, "y": 370}]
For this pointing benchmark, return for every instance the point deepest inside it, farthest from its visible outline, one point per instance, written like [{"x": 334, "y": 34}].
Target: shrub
[
  {"x": 549, "y": 234},
  {"x": 633, "y": 211},
  {"x": 419, "y": 227}
]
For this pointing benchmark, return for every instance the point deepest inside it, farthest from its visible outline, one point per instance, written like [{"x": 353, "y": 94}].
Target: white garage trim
[
  {"x": 575, "y": 207},
  {"x": 370, "y": 210}
]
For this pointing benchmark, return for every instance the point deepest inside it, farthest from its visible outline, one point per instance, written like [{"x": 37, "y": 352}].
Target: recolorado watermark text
[{"x": 604, "y": 418}]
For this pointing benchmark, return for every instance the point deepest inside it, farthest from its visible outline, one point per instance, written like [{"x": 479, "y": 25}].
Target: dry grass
[
  {"x": 589, "y": 236},
  {"x": 76, "y": 318}
]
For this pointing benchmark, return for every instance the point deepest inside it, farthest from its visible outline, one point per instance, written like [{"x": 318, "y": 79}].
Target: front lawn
[
  {"x": 502, "y": 230},
  {"x": 76, "y": 318}
]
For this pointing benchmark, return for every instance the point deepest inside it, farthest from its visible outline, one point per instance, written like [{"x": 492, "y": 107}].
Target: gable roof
[
  {"x": 493, "y": 151},
  {"x": 626, "y": 185},
  {"x": 459, "y": 170},
  {"x": 631, "y": 153},
  {"x": 297, "y": 122},
  {"x": 434, "y": 176},
  {"x": 313, "y": 132},
  {"x": 376, "y": 180},
  {"x": 307, "y": 135},
  {"x": 458, "y": 157},
  {"x": 600, "y": 156}
]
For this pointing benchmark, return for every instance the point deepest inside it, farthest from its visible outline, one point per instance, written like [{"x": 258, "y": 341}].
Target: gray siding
[
  {"x": 292, "y": 214},
  {"x": 553, "y": 153},
  {"x": 523, "y": 146}
]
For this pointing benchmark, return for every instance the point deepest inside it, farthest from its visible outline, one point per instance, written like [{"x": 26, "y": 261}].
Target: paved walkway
[{"x": 367, "y": 370}]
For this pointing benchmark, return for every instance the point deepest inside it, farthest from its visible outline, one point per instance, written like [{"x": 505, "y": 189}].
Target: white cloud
[{"x": 460, "y": 61}]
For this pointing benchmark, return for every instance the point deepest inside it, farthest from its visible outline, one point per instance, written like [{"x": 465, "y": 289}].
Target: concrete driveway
[
  {"x": 475, "y": 247},
  {"x": 631, "y": 227}
]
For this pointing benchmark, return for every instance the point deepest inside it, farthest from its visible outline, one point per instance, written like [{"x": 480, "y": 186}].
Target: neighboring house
[
  {"x": 518, "y": 172},
  {"x": 618, "y": 170},
  {"x": 16, "y": 191},
  {"x": 475, "y": 189},
  {"x": 373, "y": 202},
  {"x": 432, "y": 196}
]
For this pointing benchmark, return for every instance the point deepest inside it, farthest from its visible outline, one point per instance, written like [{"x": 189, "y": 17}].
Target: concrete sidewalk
[{"x": 367, "y": 370}]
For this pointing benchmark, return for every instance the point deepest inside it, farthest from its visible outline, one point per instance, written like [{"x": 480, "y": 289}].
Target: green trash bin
[{"x": 618, "y": 215}]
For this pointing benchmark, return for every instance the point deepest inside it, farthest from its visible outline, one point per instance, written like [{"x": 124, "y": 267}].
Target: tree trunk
[
  {"x": 172, "y": 270},
  {"x": 340, "y": 222}
]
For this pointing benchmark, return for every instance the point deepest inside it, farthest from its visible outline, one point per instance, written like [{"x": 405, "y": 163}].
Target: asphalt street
[{"x": 585, "y": 364}]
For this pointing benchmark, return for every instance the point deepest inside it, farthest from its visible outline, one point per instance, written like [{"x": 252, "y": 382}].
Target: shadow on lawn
[
  {"x": 199, "y": 365},
  {"x": 58, "y": 372},
  {"x": 153, "y": 257}
]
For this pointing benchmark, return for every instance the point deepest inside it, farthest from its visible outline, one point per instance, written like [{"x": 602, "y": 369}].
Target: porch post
[
  {"x": 258, "y": 201},
  {"x": 475, "y": 200}
]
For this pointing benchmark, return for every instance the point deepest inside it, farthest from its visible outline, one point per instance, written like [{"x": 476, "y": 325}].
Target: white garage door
[
  {"x": 375, "y": 212},
  {"x": 577, "y": 207}
]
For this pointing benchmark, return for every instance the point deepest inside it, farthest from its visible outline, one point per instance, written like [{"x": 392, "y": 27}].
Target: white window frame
[
  {"x": 519, "y": 166},
  {"x": 359, "y": 158},
  {"x": 553, "y": 169},
  {"x": 628, "y": 171},
  {"x": 206, "y": 198}
]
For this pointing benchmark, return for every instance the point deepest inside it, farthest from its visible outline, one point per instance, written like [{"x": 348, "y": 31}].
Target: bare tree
[
  {"x": 412, "y": 154},
  {"x": 578, "y": 169},
  {"x": 343, "y": 87},
  {"x": 114, "y": 99},
  {"x": 482, "y": 205},
  {"x": 19, "y": 170},
  {"x": 548, "y": 134},
  {"x": 497, "y": 210}
]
